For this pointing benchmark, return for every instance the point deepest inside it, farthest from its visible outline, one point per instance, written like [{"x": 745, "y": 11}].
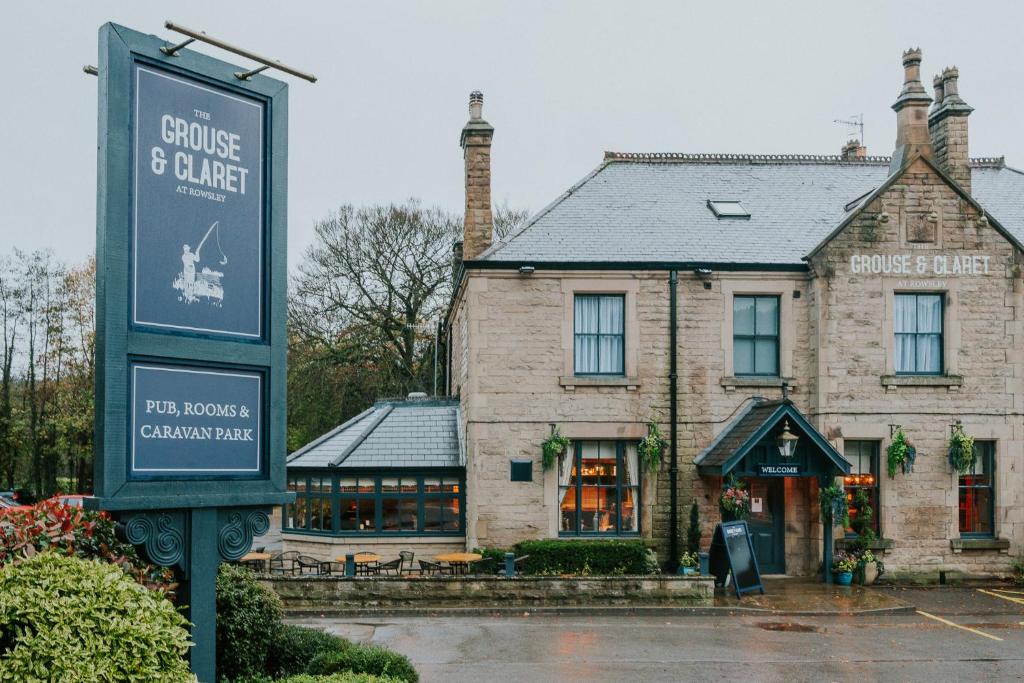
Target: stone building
[
  {"x": 732, "y": 301},
  {"x": 841, "y": 299}
]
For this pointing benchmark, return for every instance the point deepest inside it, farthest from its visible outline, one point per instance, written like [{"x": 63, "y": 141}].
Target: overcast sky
[{"x": 562, "y": 82}]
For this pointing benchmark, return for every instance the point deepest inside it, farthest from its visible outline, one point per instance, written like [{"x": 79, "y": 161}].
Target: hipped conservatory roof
[
  {"x": 409, "y": 433},
  {"x": 758, "y": 420}
]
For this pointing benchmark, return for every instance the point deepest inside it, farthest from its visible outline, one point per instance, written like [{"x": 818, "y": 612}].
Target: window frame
[
  {"x": 578, "y": 532},
  {"x": 941, "y": 334},
  {"x": 598, "y": 335},
  {"x": 377, "y": 496},
  {"x": 989, "y": 453},
  {"x": 874, "y": 460},
  {"x": 777, "y": 337}
]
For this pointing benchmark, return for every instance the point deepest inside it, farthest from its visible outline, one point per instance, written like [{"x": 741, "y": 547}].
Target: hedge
[
  {"x": 68, "y": 619},
  {"x": 346, "y": 677},
  {"x": 611, "y": 557},
  {"x": 362, "y": 659},
  {"x": 295, "y": 646},
  {"x": 248, "y": 621}
]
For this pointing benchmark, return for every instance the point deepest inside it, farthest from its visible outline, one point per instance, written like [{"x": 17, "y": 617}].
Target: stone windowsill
[
  {"x": 877, "y": 544},
  {"x": 731, "y": 383},
  {"x": 570, "y": 382},
  {"x": 951, "y": 382},
  {"x": 961, "y": 544}
]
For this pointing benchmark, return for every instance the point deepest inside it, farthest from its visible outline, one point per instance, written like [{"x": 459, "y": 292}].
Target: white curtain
[
  {"x": 629, "y": 454},
  {"x": 565, "y": 463},
  {"x": 929, "y": 319},
  {"x": 587, "y": 323},
  {"x": 612, "y": 326},
  {"x": 905, "y": 324}
]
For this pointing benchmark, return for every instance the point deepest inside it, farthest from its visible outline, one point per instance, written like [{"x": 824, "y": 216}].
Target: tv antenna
[{"x": 855, "y": 122}]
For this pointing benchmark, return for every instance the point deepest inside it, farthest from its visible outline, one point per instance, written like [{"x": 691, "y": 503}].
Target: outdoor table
[
  {"x": 459, "y": 561},
  {"x": 258, "y": 560},
  {"x": 365, "y": 559}
]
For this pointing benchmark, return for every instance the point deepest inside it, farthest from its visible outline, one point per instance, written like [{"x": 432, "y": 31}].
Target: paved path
[{"x": 958, "y": 635}]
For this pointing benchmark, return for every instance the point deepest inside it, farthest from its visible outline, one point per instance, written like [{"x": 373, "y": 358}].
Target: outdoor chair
[
  {"x": 486, "y": 565},
  {"x": 430, "y": 568},
  {"x": 517, "y": 566},
  {"x": 284, "y": 563},
  {"x": 407, "y": 566},
  {"x": 307, "y": 565},
  {"x": 389, "y": 567},
  {"x": 332, "y": 568}
]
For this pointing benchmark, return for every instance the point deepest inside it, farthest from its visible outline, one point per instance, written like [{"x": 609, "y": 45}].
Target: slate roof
[
  {"x": 415, "y": 433},
  {"x": 653, "y": 208}
]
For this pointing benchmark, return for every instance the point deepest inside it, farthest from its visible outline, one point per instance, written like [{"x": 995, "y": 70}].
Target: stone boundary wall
[{"x": 327, "y": 593}]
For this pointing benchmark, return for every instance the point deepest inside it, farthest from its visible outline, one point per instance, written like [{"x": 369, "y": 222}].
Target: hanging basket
[
  {"x": 962, "y": 454},
  {"x": 900, "y": 454},
  {"x": 652, "y": 447},
  {"x": 553, "y": 448}
]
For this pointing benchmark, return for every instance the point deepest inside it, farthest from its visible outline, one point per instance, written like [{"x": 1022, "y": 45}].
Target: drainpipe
[{"x": 673, "y": 382}]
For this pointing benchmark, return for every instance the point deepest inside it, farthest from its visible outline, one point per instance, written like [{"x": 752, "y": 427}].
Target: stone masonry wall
[{"x": 836, "y": 352}]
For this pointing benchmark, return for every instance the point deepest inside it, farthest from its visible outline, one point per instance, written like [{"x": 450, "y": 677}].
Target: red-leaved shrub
[{"x": 54, "y": 526}]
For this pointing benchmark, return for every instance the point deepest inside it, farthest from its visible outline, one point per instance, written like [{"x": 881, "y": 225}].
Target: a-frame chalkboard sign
[{"x": 732, "y": 550}]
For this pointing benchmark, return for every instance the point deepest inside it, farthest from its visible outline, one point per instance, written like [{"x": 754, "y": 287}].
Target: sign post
[{"x": 191, "y": 302}]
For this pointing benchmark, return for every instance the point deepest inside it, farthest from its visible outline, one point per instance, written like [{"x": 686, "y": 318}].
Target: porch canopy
[{"x": 747, "y": 447}]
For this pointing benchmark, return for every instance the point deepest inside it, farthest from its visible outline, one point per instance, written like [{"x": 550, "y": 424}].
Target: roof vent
[
  {"x": 417, "y": 395},
  {"x": 727, "y": 208}
]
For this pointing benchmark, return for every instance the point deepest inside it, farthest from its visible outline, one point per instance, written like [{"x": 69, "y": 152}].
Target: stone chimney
[
  {"x": 911, "y": 109},
  {"x": 478, "y": 228},
  {"x": 853, "y": 150},
  {"x": 947, "y": 127}
]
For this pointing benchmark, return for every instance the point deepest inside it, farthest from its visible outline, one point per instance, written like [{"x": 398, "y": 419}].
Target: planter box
[{"x": 338, "y": 593}]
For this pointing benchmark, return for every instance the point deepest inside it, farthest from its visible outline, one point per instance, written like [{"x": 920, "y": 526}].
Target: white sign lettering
[{"x": 910, "y": 264}]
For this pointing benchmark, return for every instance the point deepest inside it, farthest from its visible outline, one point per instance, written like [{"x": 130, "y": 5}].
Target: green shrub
[
  {"x": 68, "y": 619},
  {"x": 367, "y": 660},
  {"x": 587, "y": 558},
  {"x": 253, "y": 678},
  {"x": 498, "y": 554},
  {"x": 248, "y": 622},
  {"x": 295, "y": 646},
  {"x": 346, "y": 677}
]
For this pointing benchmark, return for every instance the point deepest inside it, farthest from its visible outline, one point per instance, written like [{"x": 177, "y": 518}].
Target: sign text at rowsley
[{"x": 913, "y": 264}]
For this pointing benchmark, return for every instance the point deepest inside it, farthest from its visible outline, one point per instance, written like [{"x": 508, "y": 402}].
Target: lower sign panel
[{"x": 195, "y": 421}]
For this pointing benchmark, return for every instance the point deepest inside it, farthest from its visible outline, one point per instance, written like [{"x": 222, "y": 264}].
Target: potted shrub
[
  {"x": 689, "y": 563},
  {"x": 870, "y": 567},
  {"x": 735, "y": 500},
  {"x": 843, "y": 566}
]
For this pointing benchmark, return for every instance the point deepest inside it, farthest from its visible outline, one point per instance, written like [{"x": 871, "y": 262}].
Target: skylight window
[{"x": 727, "y": 208}]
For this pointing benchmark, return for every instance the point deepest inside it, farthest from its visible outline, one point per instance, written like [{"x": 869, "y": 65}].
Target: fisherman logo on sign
[
  {"x": 198, "y": 252},
  {"x": 204, "y": 286}
]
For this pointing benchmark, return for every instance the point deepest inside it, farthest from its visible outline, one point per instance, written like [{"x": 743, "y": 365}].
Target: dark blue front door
[{"x": 767, "y": 524}]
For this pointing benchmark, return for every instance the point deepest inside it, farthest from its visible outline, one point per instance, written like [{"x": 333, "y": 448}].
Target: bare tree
[
  {"x": 10, "y": 320},
  {"x": 373, "y": 275},
  {"x": 508, "y": 221}
]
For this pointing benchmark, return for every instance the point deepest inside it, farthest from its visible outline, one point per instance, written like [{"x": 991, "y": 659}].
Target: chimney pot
[
  {"x": 949, "y": 81},
  {"x": 476, "y": 105},
  {"x": 937, "y": 84}
]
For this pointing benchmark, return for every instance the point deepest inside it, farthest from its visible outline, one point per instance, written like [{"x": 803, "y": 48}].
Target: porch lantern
[{"x": 787, "y": 441}]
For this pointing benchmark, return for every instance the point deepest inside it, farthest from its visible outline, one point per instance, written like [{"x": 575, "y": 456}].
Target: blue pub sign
[
  {"x": 191, "y": 304},
  {"x": 198, "y": 232}
]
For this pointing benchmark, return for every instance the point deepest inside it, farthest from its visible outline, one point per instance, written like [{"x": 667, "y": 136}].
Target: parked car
[
  {"x": 8, "y": 504},
  {"x": 20, "y": 496},
  {"x": 75, "y": 500}
]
